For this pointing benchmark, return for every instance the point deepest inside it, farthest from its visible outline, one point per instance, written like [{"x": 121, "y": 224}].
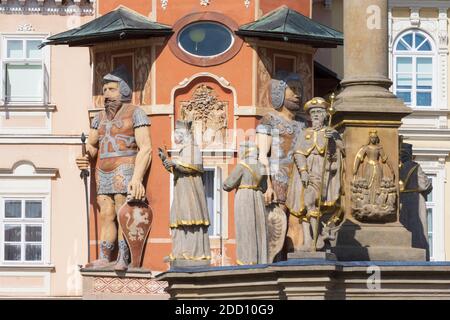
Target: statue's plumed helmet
[
  {"x": 123, "y": 77},
  {"x": 279, "y": 85}
]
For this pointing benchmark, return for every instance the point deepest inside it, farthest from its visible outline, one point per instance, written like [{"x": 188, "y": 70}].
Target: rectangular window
[
  {"x": 23, "y": 71},
  {"x": 414, "y": 80},
  {"x": 431, "y": 208},
  {"x": 404, "y": 79},
  {"x": 212, "y": 184},
  {"x": 22, "y": 230}
]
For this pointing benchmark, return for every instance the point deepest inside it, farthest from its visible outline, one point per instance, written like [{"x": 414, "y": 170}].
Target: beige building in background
[
  {"x": 44, "y": 100},
  {"x": 419, "y": 68}
]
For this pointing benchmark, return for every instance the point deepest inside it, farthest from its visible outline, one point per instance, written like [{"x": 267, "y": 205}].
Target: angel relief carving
[{"x": 209, "y": 116}]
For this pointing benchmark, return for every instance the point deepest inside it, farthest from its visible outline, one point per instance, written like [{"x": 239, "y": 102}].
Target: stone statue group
[{"x": 288, "y": 181}]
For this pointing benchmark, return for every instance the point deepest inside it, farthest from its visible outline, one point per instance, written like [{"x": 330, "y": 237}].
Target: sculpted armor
[
  {"x": 117, "y": 148},
  {"x": 284, "y": 137}
]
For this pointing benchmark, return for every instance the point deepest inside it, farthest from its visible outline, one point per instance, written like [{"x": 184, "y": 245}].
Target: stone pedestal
[
  {"x": 306, "y": 279},
  {"x": 177, "y": 264},
  {"x": 130, "y": 285},
  {"x": 318, "y": 255},
  {"x": 375, "y": 242}
]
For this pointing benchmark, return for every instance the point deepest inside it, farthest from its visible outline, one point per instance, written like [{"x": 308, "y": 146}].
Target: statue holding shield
[{"x": 120, "y": 139}]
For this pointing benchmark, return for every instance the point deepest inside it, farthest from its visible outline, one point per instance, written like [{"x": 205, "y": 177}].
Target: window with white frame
[
  {"x": 25, "y": 74},
  {"x": 25, "y": 214},
  {"x": 431, "y": 208},
  {"x": 212, "y": 183},
  {"x": 23, "y": 229},
  {"x": 414, "y": 69}
]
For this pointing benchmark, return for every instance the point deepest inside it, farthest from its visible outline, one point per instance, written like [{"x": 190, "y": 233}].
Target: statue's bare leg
[
  {"x": 124, "y": 252},
  {"x": 314, "y": 230},
  {"x": 294, "y": 238},
  {"x": 307, "y": 239},
  {"x": 108, "y": 233},
  {"x": 310, "y": 204}
]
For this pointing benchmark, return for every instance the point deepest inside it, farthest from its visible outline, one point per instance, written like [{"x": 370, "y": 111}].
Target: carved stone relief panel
[
  {"x": 209, "y": 116},
  {"x": 101, "y": 68},
  {"x": 374, "y": 184},
  {"x": 304, "y": 63},
  {"x": 265, "y": 66},
  {"x": 142, "y": 67}
]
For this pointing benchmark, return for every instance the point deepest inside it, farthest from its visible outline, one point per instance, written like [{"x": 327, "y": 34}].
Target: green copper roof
[
  {"x": 285, "y": 24},
  {"x": 119, "y": 24}
]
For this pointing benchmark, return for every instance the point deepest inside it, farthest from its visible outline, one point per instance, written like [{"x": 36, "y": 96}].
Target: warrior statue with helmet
[
  {"x": 277, "y": 135},
  {"x": 120, "y": 138}
]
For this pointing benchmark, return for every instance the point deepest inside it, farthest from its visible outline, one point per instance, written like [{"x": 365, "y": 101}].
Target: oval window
[{"x": 205, "y": 39}]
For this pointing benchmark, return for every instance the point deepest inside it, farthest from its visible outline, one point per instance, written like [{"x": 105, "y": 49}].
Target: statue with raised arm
[
  {"x": 120, "y": 139},
  {"x": 249, "y": 209},
  {"x": 316, "y": 181},
  {"x": 415, "y": 185},
  {"x": 277, "y": 134},
  {"x": 189, "y": 218}
]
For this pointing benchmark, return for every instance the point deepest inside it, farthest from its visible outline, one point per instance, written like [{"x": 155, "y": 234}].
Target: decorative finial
[{"x": 331, "y": 109}]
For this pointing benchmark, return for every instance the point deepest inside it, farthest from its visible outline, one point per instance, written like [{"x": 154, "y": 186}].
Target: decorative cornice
[
  {"x": 296, "y": 47},
  {"x": 47, "y": 8},
  {"x": 419, "y": 4},
  {"x": 425, "y": 134},
  {"x": 39, "y": 139},
  {"x": 128, "y": 44},
  {"x": 27, "y": 268},
  {"x": 27, "y": 108},
  {"x": 16, "y": 172},
  {"x": 439, "y": 155}
]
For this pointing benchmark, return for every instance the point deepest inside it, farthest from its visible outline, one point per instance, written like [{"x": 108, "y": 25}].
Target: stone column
[{"x": 365, "y": 107}]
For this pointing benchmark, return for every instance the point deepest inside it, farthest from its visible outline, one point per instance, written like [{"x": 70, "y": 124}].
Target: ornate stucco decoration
[
  {"x": 209, "y": 116},
  {"x": 415, "y": 17},
  {"x": 164, "y": 4},
  {"x": 205, "y": 2},
  {"x": 247, "y": 3},
  {"x": 25, "y": 27}
]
